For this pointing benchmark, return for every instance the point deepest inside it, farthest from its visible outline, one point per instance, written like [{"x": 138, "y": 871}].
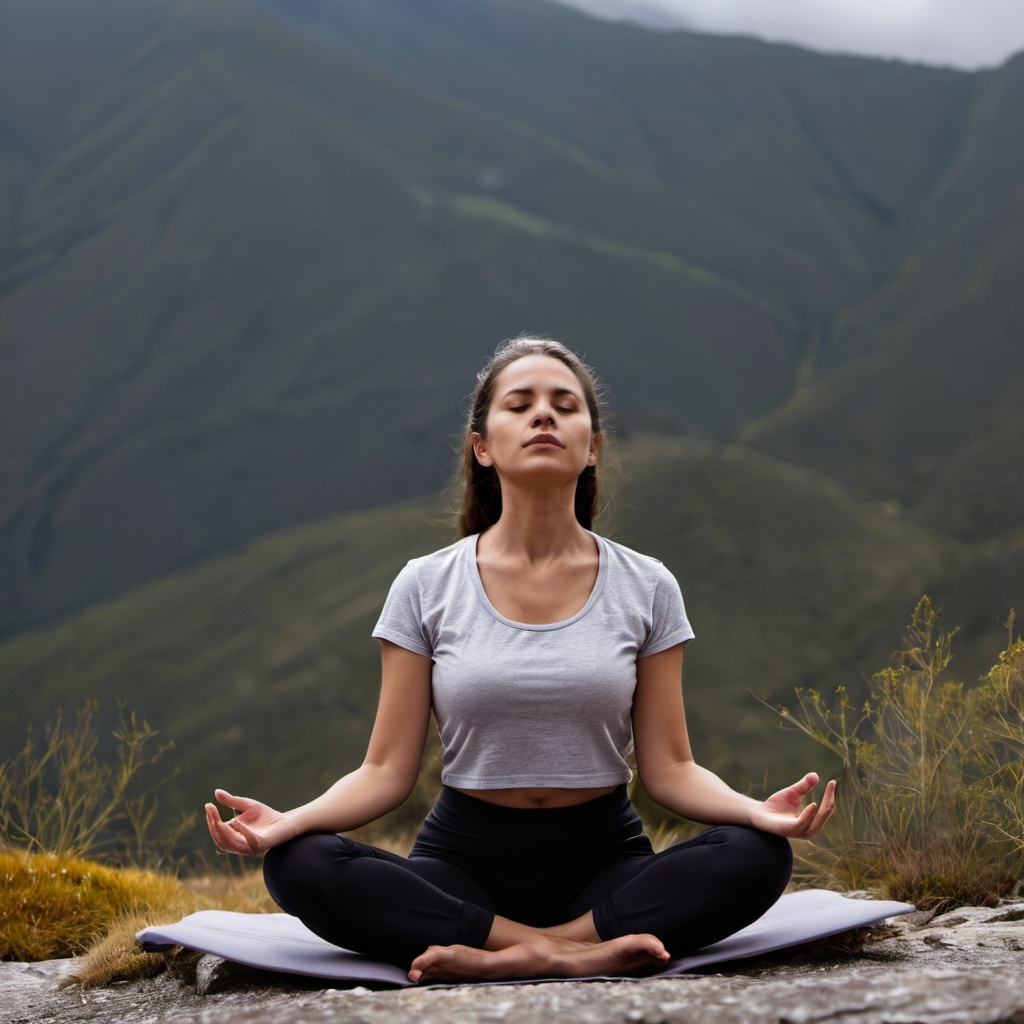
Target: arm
[
  {"x": 673, "y": 779},
  {"x": 383, "y": 781}
]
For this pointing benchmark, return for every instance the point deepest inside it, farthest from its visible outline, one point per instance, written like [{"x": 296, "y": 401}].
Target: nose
[{"x": 542, "y": 415}]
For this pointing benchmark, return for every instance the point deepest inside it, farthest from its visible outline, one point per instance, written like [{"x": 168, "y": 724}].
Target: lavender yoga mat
[{"x": 279, "y": 942}]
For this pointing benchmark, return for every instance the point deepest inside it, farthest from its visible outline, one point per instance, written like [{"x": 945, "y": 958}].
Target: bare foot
[{"x": 544, "y": 956}]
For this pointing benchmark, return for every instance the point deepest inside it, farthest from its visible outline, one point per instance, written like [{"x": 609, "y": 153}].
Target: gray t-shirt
[{"x": 521, "y": 704}]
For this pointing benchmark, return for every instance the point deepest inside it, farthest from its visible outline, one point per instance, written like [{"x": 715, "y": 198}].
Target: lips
[{"x": 544, "y": 439}]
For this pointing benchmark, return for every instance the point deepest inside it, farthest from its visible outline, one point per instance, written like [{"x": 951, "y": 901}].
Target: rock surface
[{"x": 964, "y": 967}]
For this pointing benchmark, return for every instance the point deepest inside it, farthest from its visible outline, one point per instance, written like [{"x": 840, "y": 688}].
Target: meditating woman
[{"x": 549, "y": 655}]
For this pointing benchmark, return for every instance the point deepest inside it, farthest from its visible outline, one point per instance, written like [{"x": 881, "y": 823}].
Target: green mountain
[{"x": 253, "y": 253}]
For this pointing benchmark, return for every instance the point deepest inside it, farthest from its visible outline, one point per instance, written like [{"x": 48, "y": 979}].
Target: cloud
[{"x": 964, "y": 33}]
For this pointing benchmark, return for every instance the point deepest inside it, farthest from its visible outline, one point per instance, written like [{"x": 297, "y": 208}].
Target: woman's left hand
[{"x": 783, "y": 813}]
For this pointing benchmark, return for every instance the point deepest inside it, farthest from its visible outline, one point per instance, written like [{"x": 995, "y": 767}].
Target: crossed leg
[{"x": 437, "y": 920}]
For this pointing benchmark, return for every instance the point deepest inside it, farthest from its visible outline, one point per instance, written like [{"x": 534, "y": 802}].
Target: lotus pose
[{"x": 550, "y": 656}]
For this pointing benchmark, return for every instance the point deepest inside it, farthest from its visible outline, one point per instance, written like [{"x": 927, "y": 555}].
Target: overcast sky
[{"x": 964, "y": 33}]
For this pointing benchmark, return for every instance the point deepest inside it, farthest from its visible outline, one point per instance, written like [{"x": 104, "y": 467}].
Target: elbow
[
  {"x": 654, "y": 786},
  {"x": 398, "y": 782},
  {"x": 665, "y": 783}
]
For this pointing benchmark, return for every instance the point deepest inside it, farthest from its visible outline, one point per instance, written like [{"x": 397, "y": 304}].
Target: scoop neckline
[{"x": 595, "y": 593}]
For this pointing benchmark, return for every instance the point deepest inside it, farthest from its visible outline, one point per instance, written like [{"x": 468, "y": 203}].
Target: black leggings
[{"x": 473, "y": 859}]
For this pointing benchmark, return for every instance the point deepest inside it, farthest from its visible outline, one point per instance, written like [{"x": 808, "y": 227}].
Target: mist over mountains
[{"x": 252, "y": 254}]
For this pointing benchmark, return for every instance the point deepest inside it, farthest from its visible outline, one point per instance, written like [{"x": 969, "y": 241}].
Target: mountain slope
[
  {"x": 234, "y": 337},
  {"x": 251, "y": 256},
  {"x": 922, "y": 387},
  {"x": 821, "y": 156}
]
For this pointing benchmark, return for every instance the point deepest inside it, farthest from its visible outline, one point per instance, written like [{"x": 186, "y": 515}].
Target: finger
[
  {"x": 828, "y": 806},
  {"x": 236, "y": 803},
  {"x": 228, "y": 841},
  {"x": 225, "y": 838},
  {"x": 795, "y": 794},
  {"x": 253, "y": 841},
  {"x": 828, "y": 800},
  {"x": 213, "y": 821}
]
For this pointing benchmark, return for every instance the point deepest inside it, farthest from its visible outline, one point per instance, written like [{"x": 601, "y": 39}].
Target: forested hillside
[{"x": 253, "y": 256}]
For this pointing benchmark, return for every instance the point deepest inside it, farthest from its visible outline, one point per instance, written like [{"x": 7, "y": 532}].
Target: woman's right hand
[{"x": 254, "y": 829}]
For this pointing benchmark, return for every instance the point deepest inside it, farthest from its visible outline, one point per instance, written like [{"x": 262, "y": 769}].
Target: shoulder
[
  {"x": 442, "y": 562},
  {"x": 437, "y": 574},
  {"x": 420, "y": 593},
  {"x": 633, "y": 563},
  {"x": 644, "y": 586}
]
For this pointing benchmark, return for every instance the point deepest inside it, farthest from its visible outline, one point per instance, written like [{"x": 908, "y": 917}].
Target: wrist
[
  {"x": 753, "y": 808},
  {"x": 294, "y": 827}
]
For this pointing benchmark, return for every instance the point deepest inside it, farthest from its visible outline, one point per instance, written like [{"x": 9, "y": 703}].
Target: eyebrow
[{"x": 530, "y": 391}]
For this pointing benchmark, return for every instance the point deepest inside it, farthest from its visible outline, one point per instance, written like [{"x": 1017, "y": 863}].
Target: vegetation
[
  {"x": 70, "y": 802},
  {"x": 53, "y": 906},
  {"x": 62, "y": 807},
  {"x": 932, "y": 790},
  {"x": 59, "y": 807}
]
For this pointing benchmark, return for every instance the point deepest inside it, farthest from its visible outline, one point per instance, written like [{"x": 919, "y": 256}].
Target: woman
[{"x": 549, "y": 655}]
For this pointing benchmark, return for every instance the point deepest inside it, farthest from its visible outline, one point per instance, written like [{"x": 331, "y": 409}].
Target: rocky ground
[{"x": 963, "y": 967}]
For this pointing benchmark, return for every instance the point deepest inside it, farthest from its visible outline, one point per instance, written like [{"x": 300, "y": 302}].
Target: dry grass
[
  {"x": 239, "y": 889},
  {"x": 54, "y": 906},
  {"x": 116, "y": 956}
]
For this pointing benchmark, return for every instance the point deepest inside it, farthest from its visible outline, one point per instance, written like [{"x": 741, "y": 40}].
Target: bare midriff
[{"x": 527, "y": 798}]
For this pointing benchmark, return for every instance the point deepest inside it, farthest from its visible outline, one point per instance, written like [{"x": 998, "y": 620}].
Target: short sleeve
[
  {"x": 669, "y": 624},
  {"x": 401, "y": 620}
]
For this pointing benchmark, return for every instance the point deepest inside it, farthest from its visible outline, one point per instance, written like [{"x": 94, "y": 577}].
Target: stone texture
[{"x": 964, "y": 967}]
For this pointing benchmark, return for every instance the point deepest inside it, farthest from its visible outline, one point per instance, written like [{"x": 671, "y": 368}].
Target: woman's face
[{"x": 538, "y": 423}]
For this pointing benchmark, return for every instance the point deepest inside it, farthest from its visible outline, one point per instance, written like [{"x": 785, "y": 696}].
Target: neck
[{"x": 536, "y": 526}]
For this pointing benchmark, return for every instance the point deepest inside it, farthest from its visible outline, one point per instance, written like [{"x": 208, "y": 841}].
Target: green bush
[{"x": 931, "y": 798}]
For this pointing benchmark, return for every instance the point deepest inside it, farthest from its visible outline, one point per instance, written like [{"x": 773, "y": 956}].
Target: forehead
[{"x": 537, "y": 373}]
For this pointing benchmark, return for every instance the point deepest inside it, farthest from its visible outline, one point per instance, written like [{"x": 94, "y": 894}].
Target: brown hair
[{"x": 479, "y": 504}]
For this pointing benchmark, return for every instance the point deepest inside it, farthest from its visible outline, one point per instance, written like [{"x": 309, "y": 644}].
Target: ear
[
  {"x": 479, "y": 443},
  {"x": 595, "y": 448}
]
